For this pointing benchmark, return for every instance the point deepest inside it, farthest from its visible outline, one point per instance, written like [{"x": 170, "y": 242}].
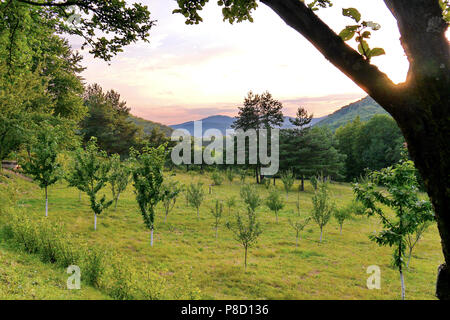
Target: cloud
[
  {"x": 189, "y": 72},
  {"x": 173, "y": 114}
]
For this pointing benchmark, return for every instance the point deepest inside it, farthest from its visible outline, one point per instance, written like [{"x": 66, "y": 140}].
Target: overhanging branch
[{"x": 367, "y": 76}]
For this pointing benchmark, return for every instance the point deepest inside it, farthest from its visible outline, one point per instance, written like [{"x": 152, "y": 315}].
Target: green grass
[
  {"x": 335, "y": 269},
  {"x": 24, "y": 276}
]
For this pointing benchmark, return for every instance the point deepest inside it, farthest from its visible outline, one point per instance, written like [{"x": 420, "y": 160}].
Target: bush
[{"x": 217, "y": 178}]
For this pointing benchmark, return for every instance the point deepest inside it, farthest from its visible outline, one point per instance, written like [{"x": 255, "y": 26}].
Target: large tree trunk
[
  {"x": 420, "y": 105},
  {"x": 429, "y": 147}
]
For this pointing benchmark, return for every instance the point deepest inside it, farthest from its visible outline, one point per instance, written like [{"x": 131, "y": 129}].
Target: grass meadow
[{"x": 184, "y": 245}]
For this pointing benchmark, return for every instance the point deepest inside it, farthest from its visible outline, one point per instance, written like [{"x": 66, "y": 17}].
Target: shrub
[{"x": 217, "y": 178}]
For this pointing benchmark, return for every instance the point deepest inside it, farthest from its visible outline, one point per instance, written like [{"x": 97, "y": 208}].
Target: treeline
[
  {"x": 307, "y": 151},
  {"x": 40, "y": 85}
]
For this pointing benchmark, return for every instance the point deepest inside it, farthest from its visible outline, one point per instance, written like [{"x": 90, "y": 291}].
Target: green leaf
[
  {"x": 352, "y": 13},
  {"x": 366, "y": 34},
  {"x": 377, "y": 52},
  {"x": 364, "y": 49},
  {"x": 347, "y": 34}
]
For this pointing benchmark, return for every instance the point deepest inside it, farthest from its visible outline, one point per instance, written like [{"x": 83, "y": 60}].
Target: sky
[{"x": 191, "y": 72}]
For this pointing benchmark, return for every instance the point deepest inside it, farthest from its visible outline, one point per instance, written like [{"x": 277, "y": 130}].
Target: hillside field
[{"x": 334, "y": 269}]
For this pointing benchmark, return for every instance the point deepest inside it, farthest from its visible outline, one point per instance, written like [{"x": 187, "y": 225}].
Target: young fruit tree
[
  {"x": 148, "y": 179},
  {"x": 250, "y": 196},
  {"x": 314, "y": 181},
  {"x": 195, "y": 196},
  {"x": 242, "y": 175},
  {"x": 298, "y": 227},
  {"x": 274, "y": 202},
  {"x": 119, "y": 177},
  {"x": 342, "y": 214},
  {"x": 230, "y": 202},
  {"x": 323, "y": 206},
  {"x": 246, "y": 231},
  {"x": 400, "y": 193},
  {"x": 217, "y": 178},
  {"x": 217, "y": 214},
  {"x": 297, "y": 203},
  {"x": 169, "y": 194},
  {"x": 90, "y": 174},
  {"x": 230, "y": 174},
  {"x": 287, "y": 177},
  {"x": 42, "y": 164}
]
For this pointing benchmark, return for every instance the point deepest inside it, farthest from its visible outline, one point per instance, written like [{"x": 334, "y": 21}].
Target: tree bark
[
  {"x": 117, "y": 200},
  {"x": 321, "y": 233},
  {"x": 46, "y": 202},
  {"x": 151, "y": 237},
  {"x": 420, "y": 106},
  {"x": 402, "y": 280},
  {"x": 245, "y": 259}
]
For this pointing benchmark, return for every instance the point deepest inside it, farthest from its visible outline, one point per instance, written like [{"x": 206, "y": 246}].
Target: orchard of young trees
[{"x": 47, "y": 110}]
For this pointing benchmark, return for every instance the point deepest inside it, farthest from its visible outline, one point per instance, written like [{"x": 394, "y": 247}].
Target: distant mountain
[
  {"x": 148, "y": 125},
  {"x": 365, "y": 108},
  {"x": 224, "y": 122},
  {"x": 213, "y": 122}
]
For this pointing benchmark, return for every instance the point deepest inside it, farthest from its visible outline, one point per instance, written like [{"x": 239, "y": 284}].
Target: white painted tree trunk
[
  {"x": 151, "y": 237},
  {"x": 403, "y": 285},
  {"x": 321, "y": 233},
  {"x": 46, "y": 202},
  {"x": 95, "y": 221},
  {"x": 117, "y": 200}
]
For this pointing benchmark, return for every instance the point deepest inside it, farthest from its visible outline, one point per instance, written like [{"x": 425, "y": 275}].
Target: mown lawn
[{"x": 335, "y": 269}]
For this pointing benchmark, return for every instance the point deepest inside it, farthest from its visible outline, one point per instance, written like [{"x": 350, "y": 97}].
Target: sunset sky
[{"x": 190, "y": 72}]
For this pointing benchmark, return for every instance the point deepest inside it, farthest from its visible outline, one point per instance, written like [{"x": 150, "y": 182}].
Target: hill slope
[
  {"x": 224, "y": 122},
  {"x": 148, "y": 125},
  {"x": 365, "y": 108}
]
